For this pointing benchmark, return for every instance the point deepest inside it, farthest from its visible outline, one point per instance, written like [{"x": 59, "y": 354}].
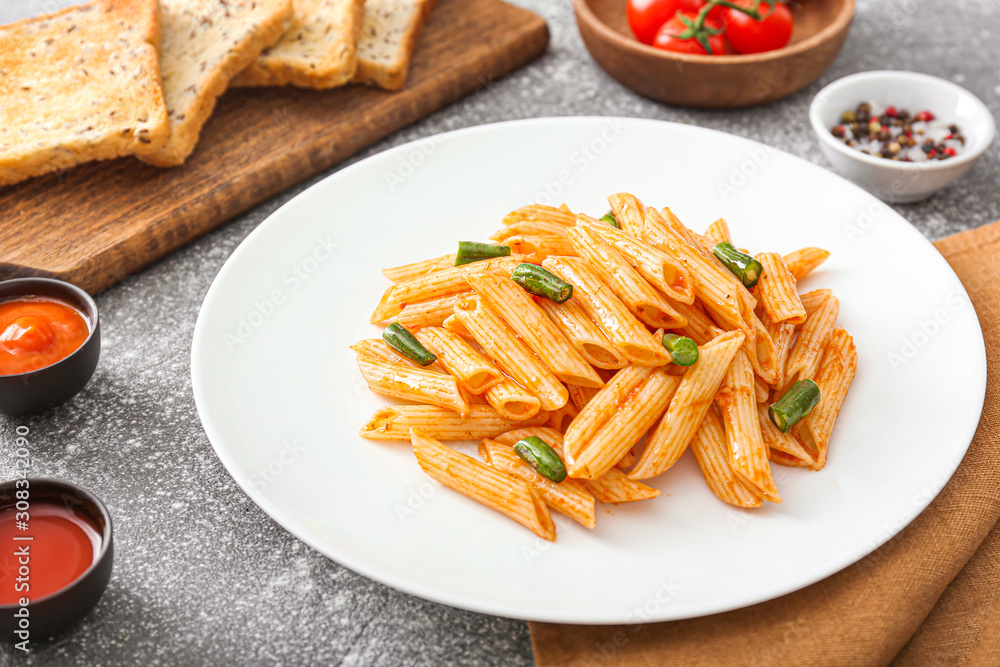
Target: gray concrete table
[{"x": 204, "y": 577}]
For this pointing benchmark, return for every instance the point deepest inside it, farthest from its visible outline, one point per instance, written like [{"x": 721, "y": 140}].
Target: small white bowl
[{"x": 890, "y": 180}]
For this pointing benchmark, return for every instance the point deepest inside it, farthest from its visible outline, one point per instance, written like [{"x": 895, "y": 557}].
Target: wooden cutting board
[{"x": 96, "y": 224}]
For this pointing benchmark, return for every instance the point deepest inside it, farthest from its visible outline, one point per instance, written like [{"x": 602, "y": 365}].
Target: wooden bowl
[{"x": 716, "y": 82}]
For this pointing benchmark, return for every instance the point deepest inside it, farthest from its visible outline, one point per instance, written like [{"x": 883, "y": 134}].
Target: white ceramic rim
[{"x": 818, "y": 105}]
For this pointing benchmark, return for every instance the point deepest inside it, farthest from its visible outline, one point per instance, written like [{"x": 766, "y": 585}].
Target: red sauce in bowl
[
  {"x": 63, "y": 545},
  {"x": 36, "y": 332}
]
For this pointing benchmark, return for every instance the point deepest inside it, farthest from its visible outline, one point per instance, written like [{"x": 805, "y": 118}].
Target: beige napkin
[{"x": 929, "y": 596}]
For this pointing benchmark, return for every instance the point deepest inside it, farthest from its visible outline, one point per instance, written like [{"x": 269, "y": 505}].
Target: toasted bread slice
[
  {"x": 205, "y": 44},
  {"x": 78, "y": 85},
  {"x": 387, "y": 40},
  {"x": 319, "y": 50}
]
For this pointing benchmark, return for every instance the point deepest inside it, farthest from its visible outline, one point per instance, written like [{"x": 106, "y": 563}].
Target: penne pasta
[
  {"x": 434, "y": 286},
  {"x": 622, "y": 328},
  {"x": 761, "y": 390},
  {"x": 603, "y": 407},
  {"x": 738, "y": 409},
  {"x": 688, "y": 406},
  {"x": 568, "y": 497},
  {"x": 431, "y": 313},
  {"x": 494, "y": 488},
  {"x": 560, "y": 419},
  {"x": 776, "y": 290},
  {"x": 535, "y": 329},
  {"x": 718, "y": 232},
  {"x": 625, "y": 281},
  {"x": 580, "y": 396},
  {"x": 834, "y": 377},
  {"x": 414, "y": 384},
  {"x": 629, "y": 212},
  {"x": 699, "y": 328},
  {"x": 584, "y": 334},
  {"x": 560, "y": 215},
  {"x": 785, "y": 443},
  {"x": 612, "y": 487},
  {"x": 529, "y": 228},
  {"x": 660, "y": 269},
  {"x": 806, "y": 352},
  {"x": 398, "y": 274},
  {"x": 718, "y": 289},
  {"x": 711, "y": 450},
  {"x": 394, "y": 422},
  {"x": 475, "y": 373},
  {"x": 782, "y": 459},
  {"x": 510, "y": 353},
  {"x": 537, "y": 248},
  {"x": 636, "y": 415},
  {"x": 513, "y": 401},
  {"x": 763, "y": 354},
  {"x": 804, "y": 261},
  {"x": 454, "y": 325},
  {"x": 781, "y": 338},
  {"x": 378, "y": 349}
]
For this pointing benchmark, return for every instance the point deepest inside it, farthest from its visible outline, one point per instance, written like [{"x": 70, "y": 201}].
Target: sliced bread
[
  {"x": 78, "y": 85},
  {"x": 319, "y": 50},
  {"x": 387, "y": 40},
  {"x": 205, "y": 44}
]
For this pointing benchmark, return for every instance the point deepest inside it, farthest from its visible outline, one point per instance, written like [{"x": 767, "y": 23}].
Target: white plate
[{"x": 281, "y": 397}]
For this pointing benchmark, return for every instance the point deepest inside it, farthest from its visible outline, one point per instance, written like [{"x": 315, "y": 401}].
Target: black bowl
[
  {"x": 37, "y": 391},
  {"x": 57, "y": 612}
]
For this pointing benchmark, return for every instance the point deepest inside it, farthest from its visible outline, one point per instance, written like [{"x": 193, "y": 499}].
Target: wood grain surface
[{"x": 96, "y": 224}]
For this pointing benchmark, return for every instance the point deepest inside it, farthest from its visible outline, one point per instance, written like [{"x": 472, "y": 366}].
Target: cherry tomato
[
  {"x": 646, "y": 17},
  {"x": 666, "y": 38},
  {"x": 748, "y": 35}
]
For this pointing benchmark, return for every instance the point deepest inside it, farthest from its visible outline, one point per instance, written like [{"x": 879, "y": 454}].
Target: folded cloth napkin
[{"x": 929, "y": 596}]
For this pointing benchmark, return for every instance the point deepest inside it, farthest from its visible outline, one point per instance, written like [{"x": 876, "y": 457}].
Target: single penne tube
[
  {"x": 536, "y": 330},
  {"x": 435, "y": 285},
  {"x": 454, "y": 325},
  {"x": 567, "y": 497},
  {"x": 711, "y": 450},
  {"x": 738, "y": 409},
  {"x": 785, "y": 443},
  {"x": 414, "y": 384},
  {"x": 615, "y": 487},
  {"x": 660, "y": 269},
  {"x": 394, "y": 422},
  {"x": 475, "y": 373},
  {"x": 541, "y": 212},
  {"x": 584, "y": 334},
  {"x": 529, "y": 228},
  {"x": 776, "y": 290},
  {"x": 780, "y": 458},
  {"x": 718, "y": 289},
  {"x": 718, "y": 232},
  {"x": 494, "y": 488},
  {"x": 763, "y": 354},
  {"x": 612, "y": 487},
  {"x": 560, "y": 419},
  {"x": 580, "y": 396},
  {"x": 430, "y": 313},
  {"x": 537, "y": 248},
  {"x": 834, "y": 377},
  {"x": 761, "y": 390},
  {"x": 398, "y": 274},
  {"x": 781, "y": 338},
  {"x": 629, "y": 212},
  {"x": 603, "y": 407},
  {"x": 636, "y": 415},
  {"x": 687, "y": 408},
  {"x": 807, "y": 351},
  {"x": 628, "y": 460},
  {"x": 512, "y": 400},
  {"x": 700, "y": 328},
  {"x": 624, "y": 280},
  {"x": 378, "y": 349},
  {"x": 629, "y": 335},
  {"x": 804, "y": 261},
  {"x": 510, "y": 353}
]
